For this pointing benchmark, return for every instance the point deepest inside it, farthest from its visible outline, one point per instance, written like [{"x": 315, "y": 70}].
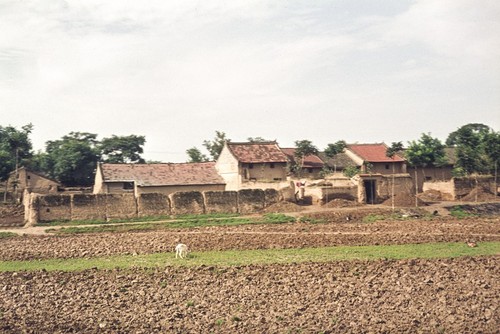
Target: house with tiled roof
[
  {"x": 338, "y": 162},
  {"x": 312, "y": 165},
  {"x": 244, "y": 163},
  {"x": 163, "y": 178},
  {"x": 373, "y": 159}
]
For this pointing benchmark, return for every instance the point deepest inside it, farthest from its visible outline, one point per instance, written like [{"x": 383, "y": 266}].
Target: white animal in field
[{"x": 181, "y": 251}]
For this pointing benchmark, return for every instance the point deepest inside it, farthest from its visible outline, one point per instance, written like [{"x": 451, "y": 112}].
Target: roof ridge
[{"x": 252, "y": 143}]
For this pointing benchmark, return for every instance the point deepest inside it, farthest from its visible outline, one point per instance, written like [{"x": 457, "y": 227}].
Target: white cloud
[{"x": 229, "y": 65}]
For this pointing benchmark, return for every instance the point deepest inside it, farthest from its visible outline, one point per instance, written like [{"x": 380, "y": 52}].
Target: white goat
[{"x": 181, "y": 251}]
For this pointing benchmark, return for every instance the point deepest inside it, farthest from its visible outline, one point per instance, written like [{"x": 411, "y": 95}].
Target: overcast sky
[{"x": 176, "y": 71}]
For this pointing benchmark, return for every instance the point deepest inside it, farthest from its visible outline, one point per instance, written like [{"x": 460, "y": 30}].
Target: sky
[{"x": 363, "y": 71}]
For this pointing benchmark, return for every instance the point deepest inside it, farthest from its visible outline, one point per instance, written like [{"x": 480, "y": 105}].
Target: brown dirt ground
[
  {"x": 338, "y": 231},
  {"x": 409, "y": 296}
]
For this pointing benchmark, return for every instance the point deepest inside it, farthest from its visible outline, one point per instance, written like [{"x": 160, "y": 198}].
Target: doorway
[{"x": 370, "y": 191}]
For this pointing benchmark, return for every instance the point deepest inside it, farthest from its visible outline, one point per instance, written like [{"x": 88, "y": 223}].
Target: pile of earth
[
  {"x": 433, "y": 196},
  {"x": 324, "y": 229},
  {"x": 404, "y": 200},
  {"x": 480, "y": 194},
  {"x": 456, "y": 295},
  {"x": 283, "y": 206},
  {"x": 340, "y": 203}
]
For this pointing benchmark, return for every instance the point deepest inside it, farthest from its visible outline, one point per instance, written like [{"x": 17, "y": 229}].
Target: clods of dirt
[
  {"x": 457, "y": 295},
  {"x": 344, "y": 226}
]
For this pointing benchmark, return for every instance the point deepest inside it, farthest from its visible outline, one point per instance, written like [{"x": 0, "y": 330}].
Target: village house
[
  {"x": 31, "y": 181},
  {"x": 338, "y": 163},
  {"x": 373, "y": 159},
  {"x": 243, "y": 165},
  {"x": 163, "y": 178},
  {"x": 375, "y": 168},
  {"x": 312, "y": 165}
]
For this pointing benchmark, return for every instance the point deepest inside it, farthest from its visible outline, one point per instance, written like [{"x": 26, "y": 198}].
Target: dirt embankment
[{"x": 425, "y": 296}]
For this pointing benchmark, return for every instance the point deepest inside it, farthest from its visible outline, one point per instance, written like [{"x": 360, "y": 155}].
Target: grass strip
[
  {"x": 268, "y": 256},
  {"x": 5, "y": 235},
  {"x": 269, "y": 218},
  {"x": 138, "y": 219}
]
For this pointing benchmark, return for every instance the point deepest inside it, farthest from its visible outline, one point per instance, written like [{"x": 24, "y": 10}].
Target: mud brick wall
[
  {"x": 189, "y": 202},
  {"x": 153, "y": 204},
  {"x": 221, "y": 201},
  {"x": 54, "y": 207},
  {"x": 251, "y": 200},
  {"x": 272, "y": 196},
  {"x": 446, "y": 188},
  {"x": 88, "y": 207},
  {"x": 121, "y": 206}
]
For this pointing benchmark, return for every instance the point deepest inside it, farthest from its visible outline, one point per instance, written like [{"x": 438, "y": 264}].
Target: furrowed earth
[{"x": 450, "y": 295}]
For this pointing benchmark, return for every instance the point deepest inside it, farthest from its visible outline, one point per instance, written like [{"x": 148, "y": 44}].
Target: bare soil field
[
  {"x": 411, "y": 296},
  {"x": 290, "y": 235},
  {"x": 459, "y": 295}
]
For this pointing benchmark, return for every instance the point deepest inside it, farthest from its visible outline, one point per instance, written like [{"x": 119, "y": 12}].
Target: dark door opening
[{"x": 370, "y": 191}]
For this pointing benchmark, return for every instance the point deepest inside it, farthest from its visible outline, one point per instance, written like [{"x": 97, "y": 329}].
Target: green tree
[
  {"x": 257, "y": 140},
  {"x": 470, "y": 141},
  {"x": 215, "y": 146},
  {"x": 492, "y": 148},
  {"x": 303, "y": 148},
  {"x": 15, "y": 151},
  {"x": 350, "y": 171},
  {"x": 15, "y": 148},
  {"x": 72, "y": 159},
  {"x": 478, "y": 129},
  {"x": 336, "y": 148},
  {"x": 122, "y": 149},
  {"x": 195, "y": 155},
  {"x": 427, "y": 151}
]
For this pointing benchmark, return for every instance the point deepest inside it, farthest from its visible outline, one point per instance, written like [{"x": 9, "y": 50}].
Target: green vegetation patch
[
  {"x": 5, "y": 235},
  {"x": 459, "y": 212},
  {"x": 270, "y": 256},
  {"x": 195, "y": 221}
]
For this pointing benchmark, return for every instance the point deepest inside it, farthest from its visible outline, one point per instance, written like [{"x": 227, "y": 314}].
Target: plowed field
[{"x": 459, "y": 295}]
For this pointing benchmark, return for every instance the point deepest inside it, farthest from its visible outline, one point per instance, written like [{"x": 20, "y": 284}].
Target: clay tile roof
[
  {"x": 167, "y": 174},
  {"x": 373, "y": 152},
  {"x": 260, "y": 152},
  {"x": 310, "y": 161},
  {"x": 339, "y": 160}
]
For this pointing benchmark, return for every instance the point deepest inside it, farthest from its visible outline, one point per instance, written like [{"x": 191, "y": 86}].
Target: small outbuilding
[{"x": 26, "y": 179}]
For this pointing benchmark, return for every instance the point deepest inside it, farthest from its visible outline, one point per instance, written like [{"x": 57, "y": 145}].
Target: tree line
[{"x": 72, "y": 159}]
